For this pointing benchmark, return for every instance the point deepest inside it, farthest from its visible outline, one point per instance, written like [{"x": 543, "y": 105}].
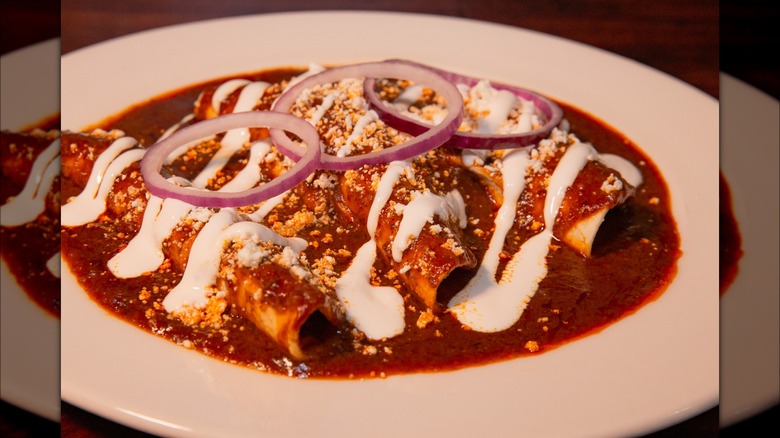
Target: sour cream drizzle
[
  {"x": 196, "y": 285},
  {"x": 499, "y": 104},
  {"x": 421, "y": 210},
  {"x": 367, "y": 118},
  {"x": 91, "y": 202},
  {"x": 224, "y": 90},
  {"x": 26, "y": 206},
  {"x": 234, "y": 139},
  {"x": 322, "y": 108},
  {"x": 31, "y": 201},
  {"x": 144, "y": 252},
  {"x": 484, "y": 304},
  {"x": 162, "y": 216},
  {"x": 377, "y": 311},
  {"x": 487, "y": 305}
]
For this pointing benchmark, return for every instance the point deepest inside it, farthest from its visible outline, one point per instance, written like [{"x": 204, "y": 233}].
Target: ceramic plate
[
  {"x": 29, "y": 363},
  {"x": 652, "y": 369},
  {"x": 750, "y": 309}
]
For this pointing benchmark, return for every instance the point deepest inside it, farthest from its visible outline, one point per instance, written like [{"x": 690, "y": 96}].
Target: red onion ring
[
  {"x": 155, "y": 156},
  {"x": 426, "y": 140},
  {"x": 468, "y": 140}
]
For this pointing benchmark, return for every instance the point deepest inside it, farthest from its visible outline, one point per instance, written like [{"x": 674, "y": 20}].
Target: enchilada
[{"x": 402, "y": 251}]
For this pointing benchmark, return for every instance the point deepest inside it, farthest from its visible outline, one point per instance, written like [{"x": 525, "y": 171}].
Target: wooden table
[{"x": 681, "y": 40}]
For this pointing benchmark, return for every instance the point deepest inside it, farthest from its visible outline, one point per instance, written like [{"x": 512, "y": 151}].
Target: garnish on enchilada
[
  {"x": 30, "y": 211},
  {"x": 423, "y": 222}
]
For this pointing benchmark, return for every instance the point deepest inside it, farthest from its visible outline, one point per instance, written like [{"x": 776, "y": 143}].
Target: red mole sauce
[{"x": 633, "y": 260}]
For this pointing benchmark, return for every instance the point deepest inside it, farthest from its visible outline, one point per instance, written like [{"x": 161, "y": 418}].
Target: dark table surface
[{"x": 682, "y": 39}]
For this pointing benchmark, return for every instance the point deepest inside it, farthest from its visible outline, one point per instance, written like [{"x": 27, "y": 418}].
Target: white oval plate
[
  {"x": 750, "y": 309},
  {"x": 30, "y": 344},
  {"x": 652, "y": 369}
]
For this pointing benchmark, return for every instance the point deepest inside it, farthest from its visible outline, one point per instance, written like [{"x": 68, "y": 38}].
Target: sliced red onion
[
  {"x": 308, "y": 160},
  {"x": 468, "y": 140},
  {"x": 426, "y": 140}
]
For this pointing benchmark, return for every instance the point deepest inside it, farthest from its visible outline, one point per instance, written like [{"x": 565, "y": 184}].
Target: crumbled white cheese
[
  {"x": 251, "y": 254},
  {"x": 611, "y": 184},
  {"x": 200, "y": 214},
  {"x": 325, "y": 181}
]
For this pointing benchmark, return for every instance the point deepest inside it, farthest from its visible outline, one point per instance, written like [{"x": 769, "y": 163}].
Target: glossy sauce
[{"x": 633, "y": 260}]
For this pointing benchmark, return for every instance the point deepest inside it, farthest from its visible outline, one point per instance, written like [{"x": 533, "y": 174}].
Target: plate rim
[
  {"x": 748, "y": 389},
  {"x": 707, "y": 401}
]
